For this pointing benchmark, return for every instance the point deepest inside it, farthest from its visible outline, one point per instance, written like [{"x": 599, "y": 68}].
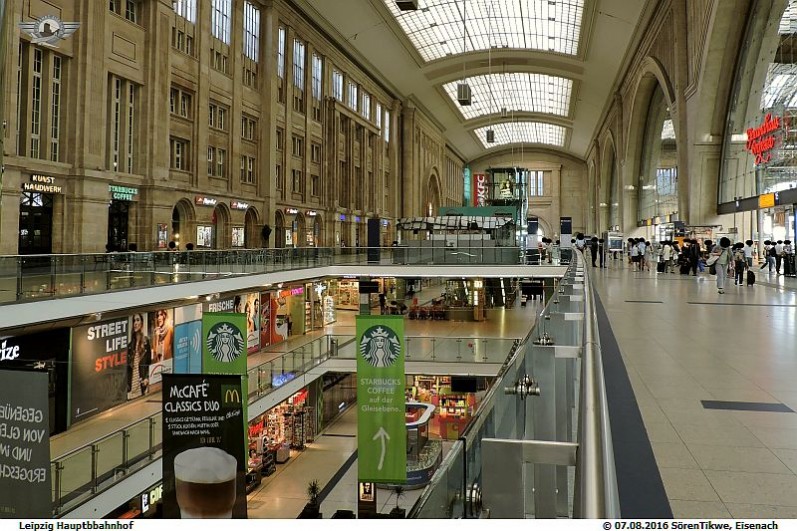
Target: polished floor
[{"x": 683, "y": 343}]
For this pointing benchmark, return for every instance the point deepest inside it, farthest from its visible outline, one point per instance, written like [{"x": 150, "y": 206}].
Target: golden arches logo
[{"x": 232, "y": 396}]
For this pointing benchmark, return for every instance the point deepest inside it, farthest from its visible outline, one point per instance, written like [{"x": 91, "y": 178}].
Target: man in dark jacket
[
  {"x": 593, "y": 250},
  {"x": 694, "y": 256}
]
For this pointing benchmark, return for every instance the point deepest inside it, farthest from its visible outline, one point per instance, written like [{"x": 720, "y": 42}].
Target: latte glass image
[{"x": 205, "y": 482}]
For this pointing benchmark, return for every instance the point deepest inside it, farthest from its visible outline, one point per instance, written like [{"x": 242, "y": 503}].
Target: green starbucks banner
[
  {"x": 381, "y": 429},
  {"x": 224, "y": 343},
  {"x": 224, "y": 351}
]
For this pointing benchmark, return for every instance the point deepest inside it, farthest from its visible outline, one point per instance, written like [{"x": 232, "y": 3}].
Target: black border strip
[
  {"x": 639, "y": 483},
  {"x": 330, "y": 486}
]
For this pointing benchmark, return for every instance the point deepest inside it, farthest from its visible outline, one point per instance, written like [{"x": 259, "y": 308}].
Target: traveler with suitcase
[{"x": 739, "y": 264}]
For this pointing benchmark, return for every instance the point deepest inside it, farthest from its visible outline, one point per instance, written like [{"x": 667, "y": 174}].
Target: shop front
[
  {"x": 455, "y": 398},
  {"x": 239, "y": 231},
  {"x": 314, "y": 228},
  {"x": 121, "y": 210},
  {"x": 43, "y": 351},
  {"x": 279, "y": 435},
  {"x": 283, "y": 314},
  {"x": 148, "y": 504},
  {"x": 206, "y": 230},
  {"x": 37, "y": 205}
]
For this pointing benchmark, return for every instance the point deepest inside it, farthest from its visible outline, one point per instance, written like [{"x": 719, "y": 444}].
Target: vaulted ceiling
[{"x": 540, "y": 71}]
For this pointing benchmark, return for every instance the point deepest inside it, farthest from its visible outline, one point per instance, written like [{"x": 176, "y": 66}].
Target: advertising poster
[
  {"x": 101, "y": 368},
  {"x": 188, "y": 348},
  {"x": 279, "y": 319},
  {"x": 566, "y": 232},
  {"x": 228, "y": 304},
  {"x": 139, "y": 357},
  {"x": 25, "y": 445},
  {"x": 224, "y": 343},
  {"x": 204, "y": 459},
  {"x": 381, "y": 429},
  {"x": 238, "y": 236},
  {"x": 204, "y": 236},
  {"x": 466, "y": 175},
  {"x": 163, "y": 235},
  {"x": 252, "y": 311},
  {"x": 265, "y": 319},
  {"x": 161, "y": 327}
]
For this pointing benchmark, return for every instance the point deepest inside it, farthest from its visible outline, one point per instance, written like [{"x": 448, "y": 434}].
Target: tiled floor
[{"x": 713, "y": 463}]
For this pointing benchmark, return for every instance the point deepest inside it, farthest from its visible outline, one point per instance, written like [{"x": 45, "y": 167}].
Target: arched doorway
[
  {"x": 182, "y": 222},
  {"x": 432, "y": 205},
  {"x": 280, "y": 232},
  {"x": 252, "y": 236},
  {"x": 299, "y": 231},
  {"x": 658, "y": 181},
  {"x": 316, "y": 231},
  {"x": 220, "y": 234}
]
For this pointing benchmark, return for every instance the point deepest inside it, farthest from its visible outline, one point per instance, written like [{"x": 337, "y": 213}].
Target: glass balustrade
[
  {"x": 83, "y": 472},
  {"x": 32, "y": 277}
]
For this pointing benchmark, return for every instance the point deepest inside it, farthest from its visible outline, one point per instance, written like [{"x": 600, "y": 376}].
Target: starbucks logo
[
  {"x": 225, "y": 342},
  {"x": 380, "y": 347}
]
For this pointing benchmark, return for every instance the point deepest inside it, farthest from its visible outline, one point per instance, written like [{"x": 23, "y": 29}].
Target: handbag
[
  {"x": 712, "y": 260},
  {"x": 712, "y": 269}
]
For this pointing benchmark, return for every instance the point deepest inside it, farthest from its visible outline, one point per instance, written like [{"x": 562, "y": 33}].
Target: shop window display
[{"x": 455, "y": 408}]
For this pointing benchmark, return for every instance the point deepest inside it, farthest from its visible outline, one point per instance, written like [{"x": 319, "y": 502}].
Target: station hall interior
[{"x": 543, "y": 202}]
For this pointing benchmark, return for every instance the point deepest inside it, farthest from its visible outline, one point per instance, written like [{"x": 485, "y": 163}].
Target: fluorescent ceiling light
[
  {"x": 515, "y": 91},
  {"x": 523, "y": 133},
  {"x": 436, "y": 30}
]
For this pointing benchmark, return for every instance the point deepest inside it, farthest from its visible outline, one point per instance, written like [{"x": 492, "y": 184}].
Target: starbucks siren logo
[
  {"x": 380, "y": 347},
  {"x": 225, "y": 342}
]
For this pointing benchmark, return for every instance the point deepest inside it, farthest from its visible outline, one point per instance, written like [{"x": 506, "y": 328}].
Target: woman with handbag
[{"x": 720, "y": 260}]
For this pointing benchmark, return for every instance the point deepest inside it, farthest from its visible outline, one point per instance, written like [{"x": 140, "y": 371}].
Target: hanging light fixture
[
  {"x": 464, "y": 93},
  {"x": 490, "y": 131}
]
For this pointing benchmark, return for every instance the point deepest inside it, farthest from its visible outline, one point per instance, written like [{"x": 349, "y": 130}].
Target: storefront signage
[
  {"x": 150, "y": 498},
  {"x": 43, "y": 184},
  {"x": 123, "y": 193},
  {"x": 25, "y": 445},
  {"x": 311, "y": 213},
  {"x": 201, "y": 200},
  {"x": 761, "y": 140},
  {"x": 467, "y": 185},
  {"x": 239, "y": 205},
  {"x": 204, "y": 440},
  {"x": 8, "y": 352},
  {"x": 343, "y": 217},
  {"x": 297, "y": 291},
  {"x": 381, "y": 429},
  {"x": 356, "y": 219},
  {"x": 766, "y": 200},
  {"x": 224, "y": 343},
  {"x": 480, "y": 190},
  {"x": 292, "y": 211}
]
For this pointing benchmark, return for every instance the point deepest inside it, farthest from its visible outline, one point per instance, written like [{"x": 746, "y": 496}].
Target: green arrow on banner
[{"x": 381, "y": 429}]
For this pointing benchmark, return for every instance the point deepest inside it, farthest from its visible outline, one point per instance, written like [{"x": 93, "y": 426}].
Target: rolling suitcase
[
  {"x": 750, "y": 278},
  {"x": 685, "y": 269},
  {"x": 660, "y": 267}
]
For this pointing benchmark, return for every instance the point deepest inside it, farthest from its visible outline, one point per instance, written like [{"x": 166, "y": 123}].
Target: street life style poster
[
  {"x": 204, "y": 460},
  {"x": 381, "y": 428}
]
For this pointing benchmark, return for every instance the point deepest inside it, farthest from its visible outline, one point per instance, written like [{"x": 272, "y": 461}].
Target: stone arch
[
  {"x": 545, "y": 225},
  {"x": 221, "y": 219},
  {"x": 252, "y": 232},
  {"x": 300, "y": 231},
  {"x": 433, "y": 194},
  {"x": 318, "y": 230},
  {"x": 609, "y": 204},
  {"x": 279, "y": 229},
  {"x": 183, "y": 222},
  {"x": 651, "y": 75}
]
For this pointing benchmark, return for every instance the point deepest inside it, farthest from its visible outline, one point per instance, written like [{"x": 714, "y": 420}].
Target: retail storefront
[
  {"x": 280, "y": 434},
  {"x": 758, "y": 181},
  {"x": 121, "y": 210},
  {"x": 206, "y": 222},
  {"x": 455, "y": 398},
  {"x": 148, "y": 504},
  {"x": 43, "y": 351},
  {"x": 41, "y": 196}
]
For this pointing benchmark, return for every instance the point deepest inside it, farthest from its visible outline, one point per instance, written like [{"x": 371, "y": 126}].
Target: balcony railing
[
  {"x": 84, "y": 472},
  {"x": 34, "y": 277}
]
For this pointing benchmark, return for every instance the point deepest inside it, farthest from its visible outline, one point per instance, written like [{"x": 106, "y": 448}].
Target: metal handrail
[
  {"x": 105, "y": 437},
  {"x": 596, "y": 476}
]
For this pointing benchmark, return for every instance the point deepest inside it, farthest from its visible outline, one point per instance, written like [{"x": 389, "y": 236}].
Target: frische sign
[
  {"x": 761, "y": 139},
  {"x": 43, "y": 184}
]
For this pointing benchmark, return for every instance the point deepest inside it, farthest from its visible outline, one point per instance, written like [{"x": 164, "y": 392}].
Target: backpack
[
  {"x": 738, "y": 256},
  {"x": 772, "y": 251}
]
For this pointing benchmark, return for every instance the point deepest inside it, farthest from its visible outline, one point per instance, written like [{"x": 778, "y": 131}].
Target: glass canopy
[
  {"x": 437, "y": 29},
  {"x": 523, "y": 133},
  {"x": 515, "y": 92}
]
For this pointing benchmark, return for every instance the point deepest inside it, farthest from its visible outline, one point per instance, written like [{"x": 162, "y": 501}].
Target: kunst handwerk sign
[{"x": 381, "y": 430}]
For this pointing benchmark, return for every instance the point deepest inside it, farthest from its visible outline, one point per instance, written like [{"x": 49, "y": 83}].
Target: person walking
[
  {"x": 602, "y": 251},
  {"x": 739, "y": 264},
  {"x": 778, "y": 256},
  {"x": 593, "y": 250},
  {"x": 694, "y": 255},
  {"x": 634, "y": 252},
  {"x": 723, "y": 261},
  {"x": 748, "y": 253},
  {"x": 768, "y": 260},
  {"x": 666, "y": 256}
]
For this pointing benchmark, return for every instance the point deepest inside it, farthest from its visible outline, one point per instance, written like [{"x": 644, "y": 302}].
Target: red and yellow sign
[{"x": 761, "y": 139}]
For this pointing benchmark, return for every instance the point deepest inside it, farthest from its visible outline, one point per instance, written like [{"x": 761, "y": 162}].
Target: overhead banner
[
  {"x": 381, "y": 429},
  {"x": 481, "y": 190},
  {"x": 566, "y": 232},
  {"x": 252, "y": 310},
  {"x": 25, "y": 445},
  {"x": 161, "y": 327},
  {"x": 467, "y": 186},
  {"x": 102, "y": 372},
  {"x": 188, "y": 348},
  {"x": 204, "y": 460},
  {"x": 224, "y": 343}
]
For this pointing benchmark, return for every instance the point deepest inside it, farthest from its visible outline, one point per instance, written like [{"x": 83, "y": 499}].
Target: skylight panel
[
  {"x": 523, "y": 133},
  {"x": 667, "y": 130},
  {"x": 515, "y": 91},
  {"x": 788, "y": 24},
  {"x": 436, "y": 28}
]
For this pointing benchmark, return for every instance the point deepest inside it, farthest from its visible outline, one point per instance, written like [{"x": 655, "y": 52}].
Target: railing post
[
  {"x": 59, "y": 472},
  {"x": 151, "y": 451},
  {"x": 19, "y": 278},
  {"x": 333, "y": 347},
  {"x": 94, "y": 480},
  {"x": 125, "y": 448},
  {"x": 83, "y": 274}
]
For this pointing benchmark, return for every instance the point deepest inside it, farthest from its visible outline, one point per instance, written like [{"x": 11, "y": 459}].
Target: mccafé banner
[{"x": 761, "y": 140}]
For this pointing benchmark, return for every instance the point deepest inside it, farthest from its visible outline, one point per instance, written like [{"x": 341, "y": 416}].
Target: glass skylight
[
  {"x": 436, "y": 27},
  {"x": 780, "y": 87},
  {"x": 515, "y": 92},
  {"x": 523, "y": 133},
  {"x": 788, "y": 24}
]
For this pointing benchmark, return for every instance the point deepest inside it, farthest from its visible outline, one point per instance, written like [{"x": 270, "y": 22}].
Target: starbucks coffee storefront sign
[
  {"x": 123, "y": 193},
  {"x": 43, "y": 184}
]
